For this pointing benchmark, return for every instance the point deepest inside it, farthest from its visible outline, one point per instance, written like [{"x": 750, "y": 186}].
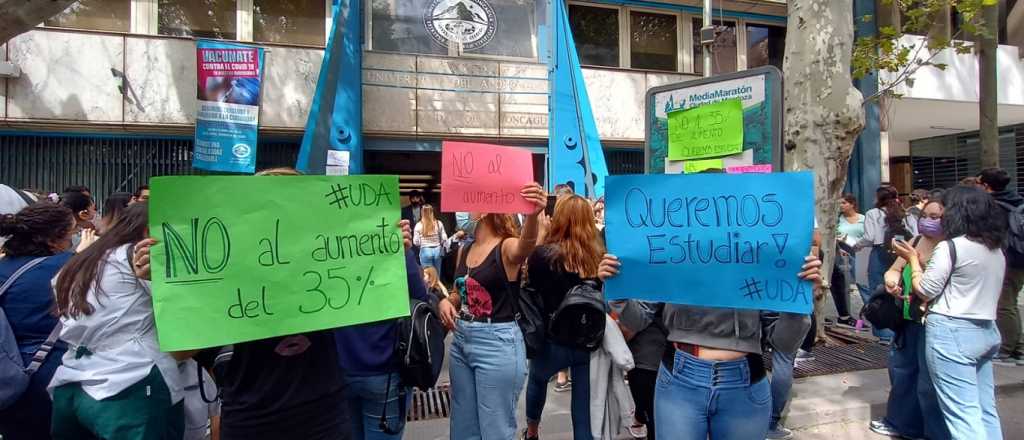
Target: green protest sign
[
  {"x": 696, "y": 166},
  {"x": 241, "y": 258},
  {"x": 710, "y": 130}
]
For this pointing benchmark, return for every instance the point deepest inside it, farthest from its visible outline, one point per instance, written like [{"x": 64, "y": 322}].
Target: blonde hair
[
  {"x": 574, "y": 235},
  {"x": 280, "y": 171},
  {"x": 432, "y": 277},
  {"x": 428, "y": 220}
]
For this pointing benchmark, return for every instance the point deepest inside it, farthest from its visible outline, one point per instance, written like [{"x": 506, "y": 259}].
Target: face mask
[{"x": 930, "y": 227}]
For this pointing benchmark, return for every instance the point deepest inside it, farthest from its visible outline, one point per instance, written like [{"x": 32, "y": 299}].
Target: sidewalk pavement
[{"x": 833, "y": 407}]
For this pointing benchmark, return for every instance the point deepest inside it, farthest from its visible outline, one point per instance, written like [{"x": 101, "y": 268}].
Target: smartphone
[
  {"x": 549, "y": 209},
  {"x": 899, "y": 238}
]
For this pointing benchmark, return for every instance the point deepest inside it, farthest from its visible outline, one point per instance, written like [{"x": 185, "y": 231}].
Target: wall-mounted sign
[{"x": 227, "y": 117}]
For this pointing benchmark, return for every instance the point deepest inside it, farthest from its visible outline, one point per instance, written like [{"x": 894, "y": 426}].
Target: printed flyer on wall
[{"x": 227, "y": 117}]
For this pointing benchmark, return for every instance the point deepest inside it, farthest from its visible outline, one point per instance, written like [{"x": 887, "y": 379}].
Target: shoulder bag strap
[
  {"x": 952, "y": 268},
  {"x": 18, "y": 273},
  {"x": 51, "y": 339},
  {"x": 24, "y": 196}
]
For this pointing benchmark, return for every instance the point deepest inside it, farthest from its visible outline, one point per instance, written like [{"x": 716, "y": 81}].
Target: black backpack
[
  {"x": 419, "y": 347},
  {"x": 531, "y": 320},
  {"x": 580, "y": 319},
  {"x": 1015, "y": 235}
]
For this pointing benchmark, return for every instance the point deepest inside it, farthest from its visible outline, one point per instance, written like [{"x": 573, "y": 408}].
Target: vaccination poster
[{"x": 227, "y": 114}]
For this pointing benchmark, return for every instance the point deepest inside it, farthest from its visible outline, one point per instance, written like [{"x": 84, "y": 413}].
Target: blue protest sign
[
  {"x": 227, "y": 116},
  {"x": 714, "y": 240}
]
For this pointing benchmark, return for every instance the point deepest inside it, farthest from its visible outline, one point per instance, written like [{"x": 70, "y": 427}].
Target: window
[
  {"x": 503, "y": 28},
  {"x": 723, "y": 50},
  {"x": 101, "y": 15},
  {"x": 652, "y": 41},
  {"x": 289, "y": 21},
  {"x": 766, "y": 45},
  {"x": 596, "y": 31},
  {"x": 198, "y": 18}
]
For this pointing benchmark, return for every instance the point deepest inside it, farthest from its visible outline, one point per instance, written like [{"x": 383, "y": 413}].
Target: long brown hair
[
  {"x": 888, "y": 200},
  {"x": 574, "y": 235},
  {"x": 85, "y": 269},
  {"x": 501, "y": 225},
  {"x": 428, "y": 220}
]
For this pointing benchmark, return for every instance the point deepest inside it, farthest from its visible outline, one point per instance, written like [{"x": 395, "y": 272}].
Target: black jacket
[{"x": 1011, "y": 198}]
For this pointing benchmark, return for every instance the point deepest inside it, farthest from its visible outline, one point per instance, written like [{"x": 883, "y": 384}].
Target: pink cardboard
[
  {"x": 484, "y": 178},
  {"x": 743, "y": 169}
]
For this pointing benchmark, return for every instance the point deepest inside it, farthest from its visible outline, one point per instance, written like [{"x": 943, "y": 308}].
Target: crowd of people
[{"x": 75, "y": 294}]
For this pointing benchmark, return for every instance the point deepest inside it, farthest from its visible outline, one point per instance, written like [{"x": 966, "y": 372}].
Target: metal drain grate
[
  {"x": 435, "y": 403},
  {"x": 846, "y": 352}
]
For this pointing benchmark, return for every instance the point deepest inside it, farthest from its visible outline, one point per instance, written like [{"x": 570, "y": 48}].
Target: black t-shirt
[
  {"x": 546, "y": 274},
  {"x": 488, "y": 292},
  {"x": 284, "y": 387}
]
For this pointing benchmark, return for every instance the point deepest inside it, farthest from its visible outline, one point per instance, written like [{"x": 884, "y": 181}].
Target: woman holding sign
[
  {"x": 712, "y": 383},
  {"x": 488, "y": 356}
]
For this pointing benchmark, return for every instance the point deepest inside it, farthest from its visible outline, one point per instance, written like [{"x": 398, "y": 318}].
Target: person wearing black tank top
[{"x": 488, "y": 357}]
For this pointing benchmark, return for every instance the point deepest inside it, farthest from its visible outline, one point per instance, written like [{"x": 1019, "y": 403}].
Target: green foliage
[{"x": 887, "y": 52}]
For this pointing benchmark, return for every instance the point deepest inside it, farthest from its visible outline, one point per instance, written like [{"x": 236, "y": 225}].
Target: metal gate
[{"x": 48, "y": 164}]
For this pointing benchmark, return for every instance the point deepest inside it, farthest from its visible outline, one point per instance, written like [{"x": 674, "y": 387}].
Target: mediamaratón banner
[{"x": 227, "y": 116}]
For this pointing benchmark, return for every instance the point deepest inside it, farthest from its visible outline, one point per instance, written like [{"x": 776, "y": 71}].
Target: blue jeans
[
  {"x": 959, "y": 353},
  {"x": 555, "y": 358},
  {"x": 367, "y": 397},
  {"x": 700, "y": 399},
  {"x": 431, "y": 256},
  {"x": 781, "y": 384},
  {"x": 488, "y": 371},
  {"x": 877, "y": 266},
  {"x": 913, "y": 408}
]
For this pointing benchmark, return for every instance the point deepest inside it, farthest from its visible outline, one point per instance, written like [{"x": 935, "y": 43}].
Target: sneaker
[
  {"x": 847, "y": 322},
  {"x": 638, "y": 431},
  {"x": 881, "y": 428},
  {"x": 804, "y": 356},
  {"x": 1007, "y": 360},
  {"x": 779, "y": 433},
  {"x": 563, "y": 387}
]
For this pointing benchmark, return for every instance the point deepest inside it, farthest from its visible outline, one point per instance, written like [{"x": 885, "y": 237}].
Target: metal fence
[
  {"x": 105, "y": 164},
  {"x": 50, "y": 163}
]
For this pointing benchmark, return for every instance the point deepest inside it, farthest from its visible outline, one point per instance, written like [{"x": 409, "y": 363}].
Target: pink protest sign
[
  {"x": 484, "y": 178},
  {"x": 744, "y": 169}
]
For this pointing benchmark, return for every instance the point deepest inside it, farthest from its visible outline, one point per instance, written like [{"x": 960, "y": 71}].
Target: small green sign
[
  {"x": 241, "y": 258},
  {"x": 710, "y": 130},
  {"x": 696, "y": 166}
]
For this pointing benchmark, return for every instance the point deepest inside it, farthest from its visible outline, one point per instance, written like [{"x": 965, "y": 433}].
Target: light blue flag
[
  {"x": 336, "y": 117},
  {"x": 577, "y": 158}
]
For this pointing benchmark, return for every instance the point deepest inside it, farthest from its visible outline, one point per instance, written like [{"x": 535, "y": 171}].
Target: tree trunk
[
  {"x": 988, "y": 93},
  {"x": 19, "y": 16},
  {"x": 823, "y": 111}
]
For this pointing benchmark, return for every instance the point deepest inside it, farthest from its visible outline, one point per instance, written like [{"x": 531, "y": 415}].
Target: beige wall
[{"x": 66, "y": 81}]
